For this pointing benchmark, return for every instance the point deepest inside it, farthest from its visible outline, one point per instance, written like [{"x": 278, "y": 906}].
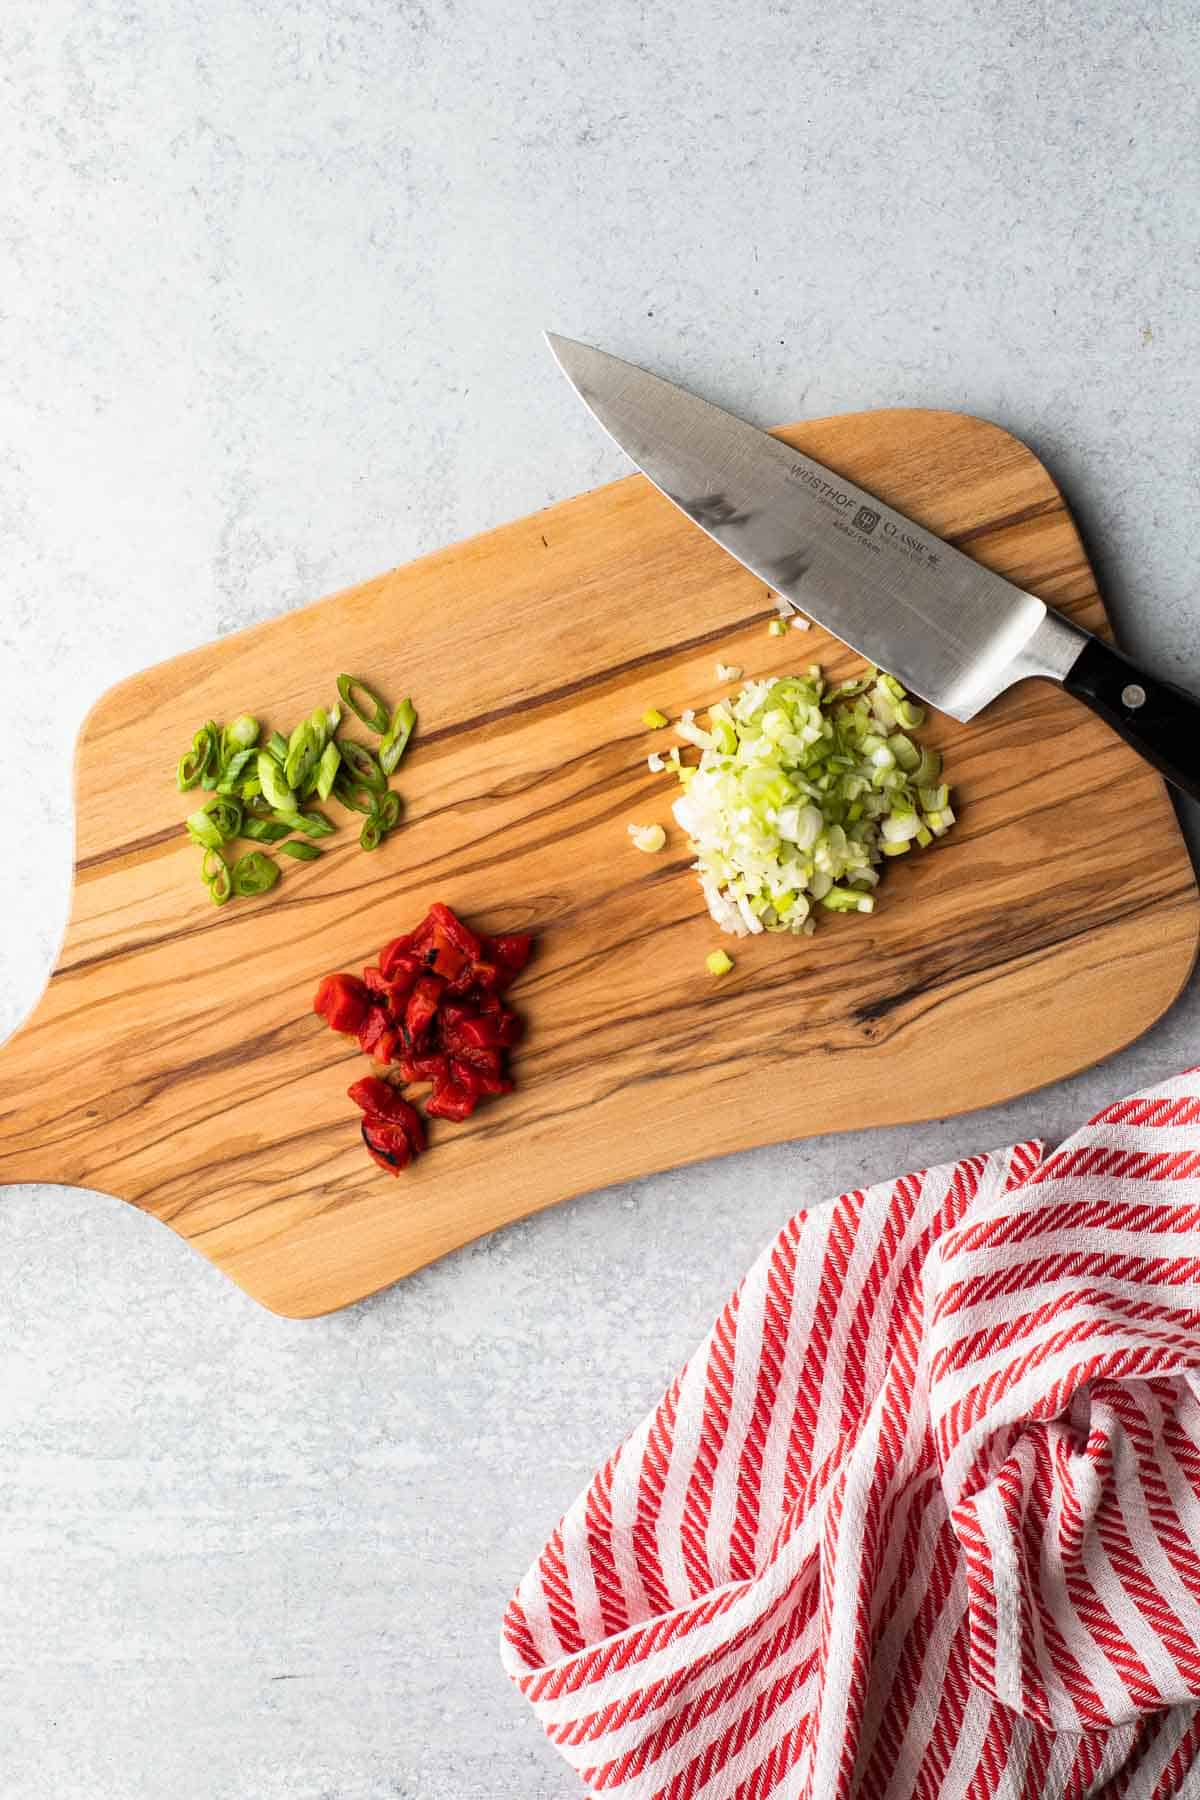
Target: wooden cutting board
[{"x": 174, "y": 1060}]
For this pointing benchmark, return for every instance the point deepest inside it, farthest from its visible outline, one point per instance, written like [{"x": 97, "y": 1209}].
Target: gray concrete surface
[{"x": 272, "y": 277}]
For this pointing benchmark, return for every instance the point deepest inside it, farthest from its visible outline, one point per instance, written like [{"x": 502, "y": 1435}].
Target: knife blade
[{"x": 952, "y": 631}]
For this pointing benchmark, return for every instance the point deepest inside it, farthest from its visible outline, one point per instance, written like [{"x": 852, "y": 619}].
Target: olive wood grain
[{"x": 174, "y": 1061}]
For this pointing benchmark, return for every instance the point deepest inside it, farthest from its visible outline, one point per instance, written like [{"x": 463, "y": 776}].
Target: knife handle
[{"x": 1161, "y": 722}]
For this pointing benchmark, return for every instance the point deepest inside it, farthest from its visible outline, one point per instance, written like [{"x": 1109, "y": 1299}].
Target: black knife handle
[{"x": 1161, "y": 722}]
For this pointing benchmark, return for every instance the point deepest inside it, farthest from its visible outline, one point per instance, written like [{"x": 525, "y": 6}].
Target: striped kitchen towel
[{"x": 921, "y": 1518}]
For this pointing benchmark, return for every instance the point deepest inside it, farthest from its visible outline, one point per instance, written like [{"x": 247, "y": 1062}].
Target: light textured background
[{"x": 272, "y": 277}]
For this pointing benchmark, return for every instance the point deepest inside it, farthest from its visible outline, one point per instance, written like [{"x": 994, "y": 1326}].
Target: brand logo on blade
[{"x": 865, "y": 519}]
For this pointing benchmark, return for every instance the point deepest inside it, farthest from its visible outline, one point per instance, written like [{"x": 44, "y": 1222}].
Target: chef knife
[{"x": 946, "y": 627}]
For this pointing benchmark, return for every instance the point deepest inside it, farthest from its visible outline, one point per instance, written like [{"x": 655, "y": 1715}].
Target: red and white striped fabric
[{"x": 922, "y": 1516}]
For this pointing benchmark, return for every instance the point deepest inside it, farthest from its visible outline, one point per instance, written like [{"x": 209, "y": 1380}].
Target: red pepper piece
[
  {"x": 489, "y": 1082},
  {"x": 434, "y": 1068},
  {"x": 511, "y": 1027},
  {"x": 484, "y": 1031},
  {"x": 375, "y": 979},
  {"x": 399, "y": 946},
  {"x": 492, "y": 1061},
  {"x": 389, "y": 1047},
  {"x": 452, "y": 1100},
  {"x": 402, "y": 973},
  {"x": 387, "y": 1143},
  {"x": 440, "y": 919},
  {"x": 343, "y": 1001},
  {"x": 422, "y": 1007},
  {"x": 374, "y": 1028},
  {"x": 380, "y": 1100},
  {"x": 491, "y": 977},
  {"x": 512, "y": 949},
  {"x": 445, "y": 958}
]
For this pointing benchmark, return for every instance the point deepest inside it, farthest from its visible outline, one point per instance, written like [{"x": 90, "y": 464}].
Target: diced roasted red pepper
[
  {"x": 483, "y": 1031},
  {"x": 387, "y": 1143},
  {"x": 422, "y": 1007},
  {"x": 375, "y": 979},
  {"x": 441, "y": 920},
  {"x": 511, "y": 1028},
  {"x": 342, "y": 1001},
  {"x": 487, "y": 1081},
  {"x": 512, "y": 948},
  {"x": 424, "y": 1068},
  {"x": 490, "y": 1060},
  {"x": 381, "y": 1100},
  {"x": 402, "y": 974},
  {"x": 374, "y": 1029},
  {"x": 399, "y": 946},
  {"x": 389, "y": 1047},
  {"x": 451, "y": 1100}
]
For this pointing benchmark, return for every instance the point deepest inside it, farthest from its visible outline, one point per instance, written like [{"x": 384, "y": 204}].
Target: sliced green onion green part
[
  {"x": 718, "y": 962},
  {"x": 215, "y": 823},
  {"x": 301, "y": 849},
  {"x": 234, "y": 771},
  {"x": 352, "y": 796},
  {"x": 264, "y": 831},
  {"x": 277, "y": 744},
  {"x": 303, "y": 754},
  {"x": 389, "y": 811},
  {"x": 254, "y": 873},
  {"x": 363, "y": 702},
  {"x": 211, "y": 865},
  {"x": 654, "y": 720},
  {"x": 276, "y": 788},
  {"x": 327, "y": 770},
  {"x": 395, "y": 741},
  {"x": 243, "y": 733},
  {"x": 371, "y": 835},
  {"x": 362, "y": 766},
  {"x": 312, "y": 824},
  {"x": 221, "y": 885}
]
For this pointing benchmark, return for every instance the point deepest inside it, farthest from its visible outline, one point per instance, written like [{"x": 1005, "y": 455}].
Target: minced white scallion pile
[{"x": 801, "y": 791}]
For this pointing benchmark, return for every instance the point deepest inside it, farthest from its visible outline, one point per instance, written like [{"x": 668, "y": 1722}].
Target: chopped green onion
[
  {"x": 800, "y": 793},
  {"x": 216, "y": 823},
  {"x": 362, "y": 765},
  {"x": 363, "y": 701},
  {"x": 312, "y": 824},
  {"x": 276, "y": 788},
  {"x": 303, "y": 754},
  {"x": 230, "y": 782},
  {"x": 264, "y": 831},
  {"x": 327, "y": 770},
  {"x": 243, "y": 733},
  {"x": 389, "y": 810},
  {"x": 254, "y": 873},
  {"x": 728, "y": 672},
  {"x": 371, "y": 835},
  {"x": 717, "y": 962},
  {"x": 301, "y": 849},
  {"x": 649, "y": 838},
  {"x": 654, "y": 720},
  {"x": 221, "y": 884},
  {"x": 195, "y": 763},
  {"x": 208, "y": 778},
  {"x": 211, "y": 864},
  {"x": 396, "y": 739},
  {"x": 777, "y": 628},
  {"x": 352, "y": 796},
  {"x": 277, "y": 745}
]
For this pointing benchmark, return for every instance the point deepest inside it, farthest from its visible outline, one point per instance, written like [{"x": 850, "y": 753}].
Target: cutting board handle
[{"x": 1161, "y": 722}]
